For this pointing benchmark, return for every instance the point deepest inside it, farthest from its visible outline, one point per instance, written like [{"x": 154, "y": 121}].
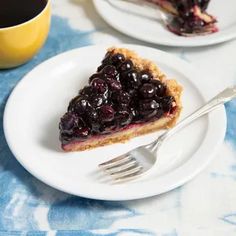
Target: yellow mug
[{"x": 19, "y": 43}]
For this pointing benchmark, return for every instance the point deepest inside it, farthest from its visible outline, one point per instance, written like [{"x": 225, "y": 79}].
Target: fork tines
[{"x": 122, "y": 168}]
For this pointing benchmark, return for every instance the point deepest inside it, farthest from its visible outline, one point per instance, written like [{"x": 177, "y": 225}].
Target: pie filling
[
  {"x": 119, "y": 96},
  {"x": 190, "y": 16}
]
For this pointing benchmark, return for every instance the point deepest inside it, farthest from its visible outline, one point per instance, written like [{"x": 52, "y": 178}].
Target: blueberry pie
[
  {"x": 190, "y": 16},
  {"x": 128, "y": 96}
]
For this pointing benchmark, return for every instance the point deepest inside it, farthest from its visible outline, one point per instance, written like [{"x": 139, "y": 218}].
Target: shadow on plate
[{"x": 50, "y": 140}]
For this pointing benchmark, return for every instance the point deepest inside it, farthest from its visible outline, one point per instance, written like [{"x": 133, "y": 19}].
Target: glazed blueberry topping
[{"x": 116, "y": 96}]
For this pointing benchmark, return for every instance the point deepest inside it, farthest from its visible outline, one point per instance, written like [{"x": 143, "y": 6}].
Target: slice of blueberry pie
[
  {"x": 128, "y": 96},
  {"x": 190, "y": 16}
]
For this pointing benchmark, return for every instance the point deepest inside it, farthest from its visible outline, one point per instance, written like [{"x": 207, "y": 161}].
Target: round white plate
[
  {"x": 35, "y": 106},
  {"x": 150, "y": 30}
]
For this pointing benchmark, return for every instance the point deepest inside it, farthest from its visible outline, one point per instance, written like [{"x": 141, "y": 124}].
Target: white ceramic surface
[
  {"x": 41, "y": 98},
  {"x": 150, "y": 30}
]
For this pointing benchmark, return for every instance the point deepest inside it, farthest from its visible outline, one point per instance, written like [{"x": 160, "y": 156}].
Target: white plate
[
  {"x": 34, "y": 108},
  {"x": 152, "y": 31}
]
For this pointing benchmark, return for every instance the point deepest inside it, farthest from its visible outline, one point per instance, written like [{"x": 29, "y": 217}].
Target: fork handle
[{"x": 223, "y": 97}]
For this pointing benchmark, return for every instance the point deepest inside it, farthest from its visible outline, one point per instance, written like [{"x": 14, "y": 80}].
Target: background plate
[{"x": 152, "y": 31}]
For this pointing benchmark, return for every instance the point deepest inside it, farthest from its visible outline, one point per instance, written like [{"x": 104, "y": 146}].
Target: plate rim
[
  {"x": 229, "y": 34},
  {"x": 221, "y": 114}
]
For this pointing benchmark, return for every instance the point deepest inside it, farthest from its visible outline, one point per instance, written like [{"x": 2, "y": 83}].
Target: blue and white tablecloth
[{"x": 203, "y": 207}]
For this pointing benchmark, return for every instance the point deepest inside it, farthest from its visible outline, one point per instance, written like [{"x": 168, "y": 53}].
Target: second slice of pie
[{"x": 128, "y": 96}]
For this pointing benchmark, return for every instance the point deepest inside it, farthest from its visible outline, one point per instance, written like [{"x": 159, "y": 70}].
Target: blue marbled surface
[
  {"x": 21, "y": 194},
  {"x": 29, "y": 207}
]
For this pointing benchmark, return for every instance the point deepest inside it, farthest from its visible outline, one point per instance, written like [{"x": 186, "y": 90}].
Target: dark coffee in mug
[{"x": 15, "y": 12}]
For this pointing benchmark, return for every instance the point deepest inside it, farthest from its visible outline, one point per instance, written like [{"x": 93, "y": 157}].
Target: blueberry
[
  {"x": 150, "y": 108},
  {"x": 106, "y": 113},
  {"x": 136, "y": 115},
  {"x": 68, "y": 122},
  {"x": 134, "y": 95},
  {"x": 167, "y": 103},
  {"x": 117, "y": 59},
  {"x": 93, "y": 119},
  {"x": 107, "y": 127},
  {"x": 86, "y": 91},
  {"x": 145, "y": 76},
  {"x": 148, "y": 114},
  {"x": 159, "y": 87},
  {"x": 92, "y": 115},
  {"x": 96, "y": 100},
  {"x": 114, "y": 85},
  {"x": 123, "y": 117},
  {"x": 100, "y": 68},
  {"x": 81, "y": 133},
  {"x": 148, "y": 104},
  {"x": 147, "y": 90},
  {"x": 132, "y": 92},
  {"x": 94, "y": 76},
  {"x": 109, "y": 71},
  {"x": 203, "y": 4},
  {"x": 80, "y": 105},
  {"x": 81, "y": 123},
  {"x": 126, "y": 66},
  {"x": 99, "y": 85},
  {"x": 123, "y": 98},
  {"x": 193, "y": 24},
  {"x": 65, "y": 137},
  {"x": 132, "y": 79},
  {"x": 72, "y": 103},
  {"x": 159, "y": 113},
  {"x": 107, "y": 58}
]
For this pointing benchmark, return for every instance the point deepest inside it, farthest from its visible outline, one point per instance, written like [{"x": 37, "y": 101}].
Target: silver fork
[{"x": 140, "y": 160}]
